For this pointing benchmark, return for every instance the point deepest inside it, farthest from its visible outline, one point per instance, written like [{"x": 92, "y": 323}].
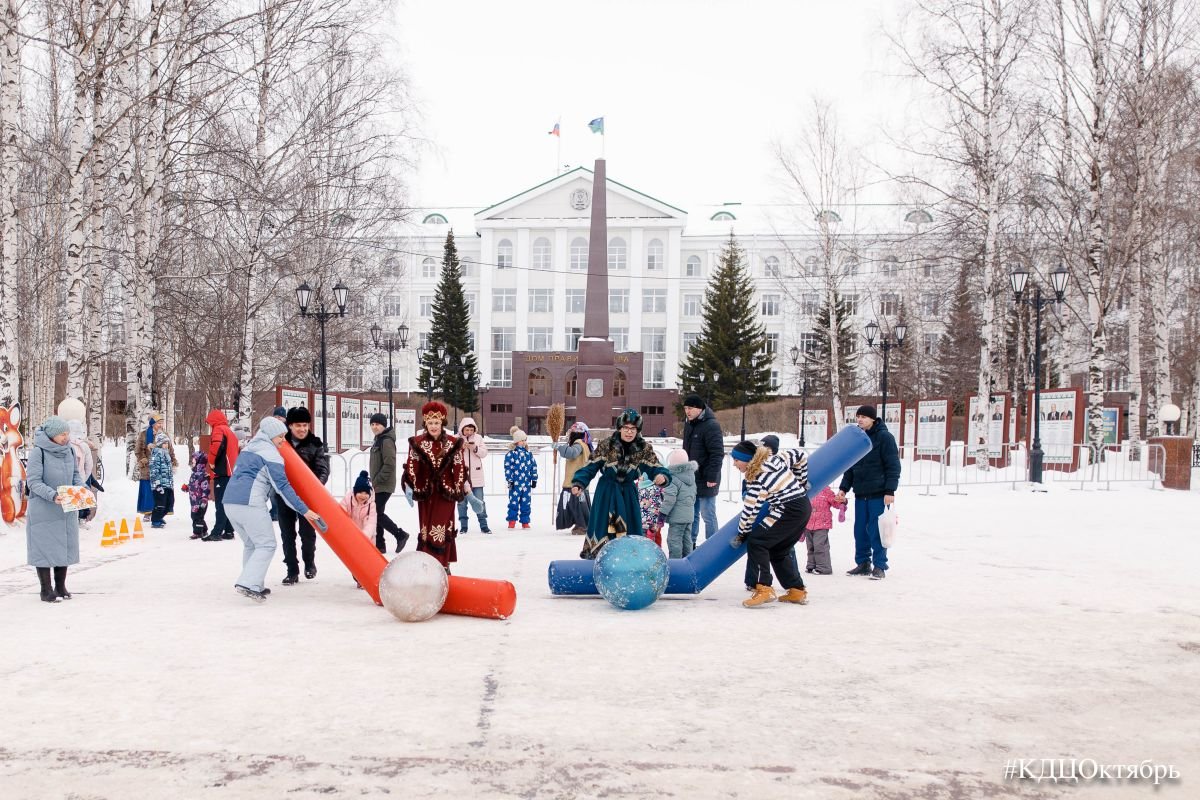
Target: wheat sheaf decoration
[{"x": 556, "y": 420}]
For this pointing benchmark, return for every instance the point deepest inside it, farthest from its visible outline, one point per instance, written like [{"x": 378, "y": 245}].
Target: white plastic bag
[{"x": 889, "y": 521}]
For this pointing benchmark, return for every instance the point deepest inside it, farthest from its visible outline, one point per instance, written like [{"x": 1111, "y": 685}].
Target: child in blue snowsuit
[
  {"x": 520, "y": 470},
  {"x": 162, "y": 480}
]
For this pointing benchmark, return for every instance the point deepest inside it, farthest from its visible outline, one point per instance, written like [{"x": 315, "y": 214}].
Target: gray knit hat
[
  {"x": 272, "y": 427},
  {"x": 53, "y": 426}
]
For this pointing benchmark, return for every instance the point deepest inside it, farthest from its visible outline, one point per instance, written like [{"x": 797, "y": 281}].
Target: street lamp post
[
  {"x": 391, "y": 343},
  {"x": 322, "y": 315},
  {"x": 1058, "y": 280},
  {"x": 802, "y": 385},
  {"x": 480, "y": 392},
  {"x": 886, "y": 343},
  {"x": 742, "y": 373}
]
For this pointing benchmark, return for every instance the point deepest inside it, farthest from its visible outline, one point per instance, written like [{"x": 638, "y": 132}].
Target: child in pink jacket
[
  {"x": 817, "y": 531},
  {"x": 359, "y": 503}
]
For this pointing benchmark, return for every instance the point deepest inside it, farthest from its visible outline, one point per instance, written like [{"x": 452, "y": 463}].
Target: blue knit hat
[
  {"x": 362, "y": 483},
  {"x": 53, "y": 426}
]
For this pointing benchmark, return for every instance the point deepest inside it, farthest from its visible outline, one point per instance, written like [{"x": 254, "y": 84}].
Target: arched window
[
  {"x": 890, "y": 267},
  {"x": 828, "y": 216},
  {"x": 428, "y": 268},
  {"x": 392, "y": 268},
  {"x": 504, "y": 254},
  {"x": 692, "y": 268},
  {"x": 722, "y": 216},
  {"x": 617, "y": 252},
  {"x": 435, "y": 219},
  {"x": 619, "y": 384},
  {"x": 918, "y": 217},
  {"x": 541, "y": 253},
  {"x": 811, "y": 267},
  {"x": 539, "y": 383},
  {"x": 579, "y": 254},
  {"x": 771, "y": 267},
  {"x": 654, "y": 255},
  {"x": 572, "y": 384},
  {"x": 850, "y": 266}
]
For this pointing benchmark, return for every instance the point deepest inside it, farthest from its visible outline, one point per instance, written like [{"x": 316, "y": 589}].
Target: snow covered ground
[{"x": 1011, "y": 625}]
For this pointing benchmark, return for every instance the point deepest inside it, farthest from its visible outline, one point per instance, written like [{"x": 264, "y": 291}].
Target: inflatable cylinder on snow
[
  {"x": 690, "y": 575},
  {"x": 476, "y": 597}
]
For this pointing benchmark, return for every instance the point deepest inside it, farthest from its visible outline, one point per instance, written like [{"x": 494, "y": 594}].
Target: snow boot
[
  {"x": 525, "y": 525},
  {"x": 310, "y": 571},
  {"x": 878, "y": 574},
  {"x": 862, "y": 569},
  {"x": 48, "y": 594},
  {"x": 401, "y": 539},
  {"x": 246, "y": 591},
  {"x": 762, "y": 596},
  {"x": 292, "y": 579},
  {"x": 60, "y": 583},
  {"x": 797, "y": 596},
  {"x": 512, "y": 523}
]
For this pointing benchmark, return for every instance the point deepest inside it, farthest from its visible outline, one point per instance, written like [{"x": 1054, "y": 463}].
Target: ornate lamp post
[
  {"x": 391, "y": 344},
  {"x": 801, "y": 384},
  {"x": 742, "y": 373},
  {"x": 480, "y": 392},
  {"x": 1058, "y": 279},
  {"x": 322, "y": 315},
  {"x": 885, "y": 343}
]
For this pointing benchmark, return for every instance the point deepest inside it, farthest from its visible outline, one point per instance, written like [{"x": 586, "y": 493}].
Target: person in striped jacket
[{"x": 780, "y": 481}]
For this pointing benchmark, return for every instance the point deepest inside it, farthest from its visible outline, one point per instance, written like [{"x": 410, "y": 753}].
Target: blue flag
[{"x": 597, "y": 125}]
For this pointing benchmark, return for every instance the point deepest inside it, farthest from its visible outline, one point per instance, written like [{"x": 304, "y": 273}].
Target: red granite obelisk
[{"x": 593, "y": 401}]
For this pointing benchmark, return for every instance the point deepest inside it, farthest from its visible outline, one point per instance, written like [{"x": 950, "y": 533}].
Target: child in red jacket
[{"x": 817, "y": 530}]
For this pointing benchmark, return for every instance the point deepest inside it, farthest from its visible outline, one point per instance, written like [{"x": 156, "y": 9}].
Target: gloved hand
[
  {"x": 842, "y": 514},
  {"x": 408, "y": 494},
  {"x": 159, "y": 490},
  {"x": 183, "y": 488},
  {"x": 533, "y": 485},
  {"x": 737, "y": 541}
]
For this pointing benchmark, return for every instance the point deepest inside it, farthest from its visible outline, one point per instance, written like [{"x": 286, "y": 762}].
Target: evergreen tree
[
  {"x": 731, "y": 330},
  {"x": 457, "y": 383},
  {"x": 958, "y": 353},
  {"x": 818, "y": 379}
]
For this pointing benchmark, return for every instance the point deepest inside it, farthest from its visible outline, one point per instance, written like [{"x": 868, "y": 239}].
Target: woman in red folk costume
[{"x": 435, "y": 475}]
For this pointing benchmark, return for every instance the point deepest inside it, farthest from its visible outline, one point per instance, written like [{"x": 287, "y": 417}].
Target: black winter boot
[
  {"x": 862, "y": 569},
  {"x": 48, "y": 594},
  {"x": 401, "y": 539},
  {"x": 60, "y": 583}
]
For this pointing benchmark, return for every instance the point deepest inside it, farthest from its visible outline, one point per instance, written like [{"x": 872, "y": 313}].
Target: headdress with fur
[{"x": 434, "y": 410}]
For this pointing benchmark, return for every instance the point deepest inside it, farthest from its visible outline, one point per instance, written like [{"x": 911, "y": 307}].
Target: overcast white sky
[{"x": 692, "y": 91}]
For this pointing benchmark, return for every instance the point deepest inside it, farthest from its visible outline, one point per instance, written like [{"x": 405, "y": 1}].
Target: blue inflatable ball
[{"x": 631, "y": 572}]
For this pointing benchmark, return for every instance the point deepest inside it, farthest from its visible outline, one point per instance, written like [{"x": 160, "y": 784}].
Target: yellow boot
[
  {"x": 797, "y": 596},
  {"x": 762, "y": 595}
]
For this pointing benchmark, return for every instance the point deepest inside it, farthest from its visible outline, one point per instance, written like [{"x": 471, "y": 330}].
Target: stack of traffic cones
[{"x": 109, "y": 539}]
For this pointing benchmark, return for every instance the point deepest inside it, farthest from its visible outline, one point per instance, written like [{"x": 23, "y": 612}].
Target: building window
[
  {"x": 850, "y": 267},
  {"x": 393, "y": 305},
  {"x": 810, "y": 304},
  {"x": 503, "y": 341},
  {"x": 617, "y": 254},
  {"x": 425, "y": 302},
  {"x": 722, "y": 216},
  {"x": 654, "y": 255},
  {"x": 502, "y": 408},
  {"x": 504, "y": 300},
  {"x": 576, "y": 301},
  {"x": 541, "y": 339},
  {"x": 812, "y": 267},
  {"x": 423, "y": 340},
  {"x": 579, "y": 254},
  {"x": 620, "y": 339},
  {"x": 808, "y": 343},
  {"x": 770, "y": 305},
  {"x": 428, "y": 268},
  {"x": 116, "y": 333},
  {"x": 689, "y": 341},
  {"x": 654, "y": 301},
  {"x": 930, "y": 347},
  {"x": 573, "y": 337},
  {"x": 472, "y": 303},
  {"x": 929, "y": 269},
  {"x": 851, "y": 301},
  {"x": 468, "y": 268},
  {"x": 504, "y": 260},
  {"x": 392, "y": 268},
  {"x": 619, "y": 383},
  {"x": 541, "y": 253},
  {"x": 618, "y": 301},
  {"x": 771, "y": 346},
  {"x": 354, "y": 380},
  {"x": 771, "y": 267},
  {"x": 890, "y": 267},
  {"x": 929, "y": 305},
  {"x": 647, "y": 411},
  {"x": 692, "y": 268},
  {"x": 541, "y": 300},
  {"x": 571, "y": 386},
  {"x": 654, "y": 364},
  {"x": 539, "y": 383},
  {"x": 889, "y": 304},
  {"x": 691, "y": 305}
]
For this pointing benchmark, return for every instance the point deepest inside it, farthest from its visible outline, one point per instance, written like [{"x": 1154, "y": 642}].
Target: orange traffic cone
[
  {"x": 109, "y": 539},
  {"x": 123, "y": 537},
  {"x": 138, "y": 533}
]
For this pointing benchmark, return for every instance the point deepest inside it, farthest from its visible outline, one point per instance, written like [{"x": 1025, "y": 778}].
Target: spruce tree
[
  {"x": 450, "y": 331},
  {"x": 731, "y": 329},
  {"x": 823, "y": 353},
  {"x": 958, "y": 352}
]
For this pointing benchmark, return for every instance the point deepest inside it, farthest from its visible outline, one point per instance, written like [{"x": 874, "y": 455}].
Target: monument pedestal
[{"x": 1177, "y": 470}]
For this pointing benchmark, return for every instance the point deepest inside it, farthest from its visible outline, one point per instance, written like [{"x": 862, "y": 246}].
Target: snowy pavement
[{"x": 1011, "y": 625}]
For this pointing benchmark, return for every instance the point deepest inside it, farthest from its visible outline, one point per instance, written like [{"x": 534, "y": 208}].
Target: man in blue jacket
[{"x": 874, "y": 479}]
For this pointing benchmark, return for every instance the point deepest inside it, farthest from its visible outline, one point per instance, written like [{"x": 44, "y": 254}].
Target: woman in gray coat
[{"x": 51, "y": 535}]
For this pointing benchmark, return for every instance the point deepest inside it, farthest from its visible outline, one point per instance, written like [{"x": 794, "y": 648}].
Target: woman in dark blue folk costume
[{"x": 620, "y": 461}]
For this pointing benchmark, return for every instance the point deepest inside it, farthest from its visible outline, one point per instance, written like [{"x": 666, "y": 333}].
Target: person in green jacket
[{"x": 383, "y": 478}]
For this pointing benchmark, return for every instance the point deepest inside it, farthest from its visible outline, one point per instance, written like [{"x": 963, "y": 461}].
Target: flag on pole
[
  {"x": 555, "y": 131},
  {"x": 597, "y": 125}
]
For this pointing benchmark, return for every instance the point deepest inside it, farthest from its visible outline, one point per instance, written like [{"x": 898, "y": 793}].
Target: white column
[
  {"x": 521, "y": 260},
  {"x": 637, "y": 266},
  {"x": 483, "y": 336},
  {"x": 560, "y": 264},
  {"x": 674, "y": 308}
]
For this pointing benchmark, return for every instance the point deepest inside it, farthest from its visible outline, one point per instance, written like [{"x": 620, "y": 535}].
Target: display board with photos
[
  {"x": 369, "y": 409},
  {"x": 933, "y": 427},
  {"x": 815, "y": 424},
  {"x": 1061, "y": 427},
  {"x": 991, "y": 421},
  {"x": 290, "y": 398},
  {"x": 350, "y": 413},
  {"x": 891, "y": 415},
  {"x": 406, "y": 423},
  {"x": 325, "y": 427}
]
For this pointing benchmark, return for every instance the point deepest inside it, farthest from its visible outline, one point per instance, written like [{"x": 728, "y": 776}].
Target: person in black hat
[
  {"x": 874, "y": 479},
  {"x": 704, "y": 444},
  {"x": 312, "y": 452}
]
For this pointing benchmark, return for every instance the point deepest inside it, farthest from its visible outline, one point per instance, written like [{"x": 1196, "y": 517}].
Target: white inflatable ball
[
  {"x": 72, "y": 409},
  {"x": 413, "y": 587}
]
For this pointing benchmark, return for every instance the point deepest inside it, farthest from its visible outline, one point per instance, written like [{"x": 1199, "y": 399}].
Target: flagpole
[{"x": 558, "y": 154}]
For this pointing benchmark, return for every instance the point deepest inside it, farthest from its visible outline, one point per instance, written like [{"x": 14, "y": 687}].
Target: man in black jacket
[
  {"x": 874, "y": 479},
  {"x": 704, "y": 444},
  {"x": 312, "y": 452}
]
